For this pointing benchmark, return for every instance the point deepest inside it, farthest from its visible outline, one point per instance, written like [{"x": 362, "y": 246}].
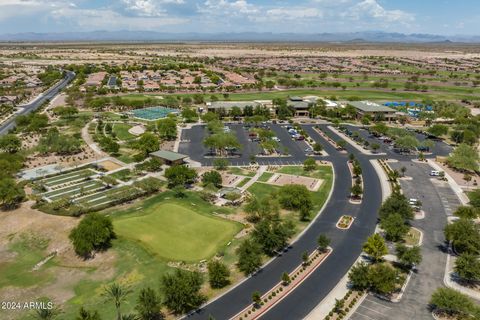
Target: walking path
[
  {"x": 254, "y": 179},
  {"x": 89, "y": 141}
]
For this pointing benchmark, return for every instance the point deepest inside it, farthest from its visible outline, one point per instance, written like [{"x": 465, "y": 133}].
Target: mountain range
[{"x": 124, "y": 35}]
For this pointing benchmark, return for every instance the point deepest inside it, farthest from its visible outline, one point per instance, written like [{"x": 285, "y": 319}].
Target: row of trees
[{"x": 11, "y": 161}]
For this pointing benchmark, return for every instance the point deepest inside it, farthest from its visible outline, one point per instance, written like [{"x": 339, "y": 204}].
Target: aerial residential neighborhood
[{"x": 239, "y": 160}]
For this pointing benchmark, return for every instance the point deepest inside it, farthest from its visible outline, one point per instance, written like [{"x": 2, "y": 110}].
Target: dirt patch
[
  {"x": 278, "y": 179},
  {"x": 66, "y": 270},
  {"x": 109, "y": 165}
]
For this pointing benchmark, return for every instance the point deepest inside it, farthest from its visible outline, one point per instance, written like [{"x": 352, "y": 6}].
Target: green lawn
[
  {"x": 265, "y": 176},
  {"x": 243, "y": 182},
  {"x": 319, "y": 173},
  {"x": 121, "y": 131},
  {"x": 175, "y": 231},
  {"x": 240, "y": 172},
  {"x": 319, "y": 197}
]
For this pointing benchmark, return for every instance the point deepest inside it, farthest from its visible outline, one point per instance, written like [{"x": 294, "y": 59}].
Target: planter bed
[{"x": 345, "y": 222}]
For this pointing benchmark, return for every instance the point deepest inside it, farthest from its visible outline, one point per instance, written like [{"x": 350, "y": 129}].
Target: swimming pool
[{"x": 153, "y": 113}]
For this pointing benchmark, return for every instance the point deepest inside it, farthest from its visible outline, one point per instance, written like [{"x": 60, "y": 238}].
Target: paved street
[{"x": 34, "y": 105}]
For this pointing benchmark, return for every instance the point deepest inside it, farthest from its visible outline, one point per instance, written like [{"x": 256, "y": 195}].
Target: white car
[
  {"x": 413, "y": 201},
  {"x": 276, "y": 139},
  {"x": 435, "y": 173}
]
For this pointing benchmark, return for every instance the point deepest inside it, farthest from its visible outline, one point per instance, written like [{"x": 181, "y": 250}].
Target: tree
[
  {"x": 147, "y": 143},
  {"x": 394, "y": 227},
  {"x": 375, "y": 147},
  {"x": 189, "y": 115},
  {"x": 379, "y": 129},
  {"x": 212, "y": 177},
  {"x": 10, "y": 143},
  {"x": 286, "y": 279},
  {"x": 167, "y": 128},
  {"x": 438, "y": 130},
  {"x": 84, "y": 314},
  {"x": 475, "y": 198},
  {"x": 309, "y": 164},
  {"x": 356, "y": 190},
  {"x": 221, "y": 164},
  {"x": 452, "y": 303},
  {"x": 148, "y": 305},
  {"x": 94, "y": 232},
  {"x": 11, "y": 193},
  {"x": 383, "y": 278},
  {"x": 375, "y": 247},
  {"x": 218, "y": 274},
  {"x": 256, "y": 298},
  {"x": 403, "y": 170},
  {"x": 272, "y": 234},
  {"x": 323, "y": 242},
  {"x": 407, "y": 142},
  {"x": 180, "y": 175},
  {"x": 467, "y": 212},
  {"x": 464, "y": 157},
  {"x": 317, "y": 148},
  {"x": 408, "y": 256},
  {"x": 467, "y": 266},
  {"x": 295, "y": 197},
  {"x": 396, "y": 203},
  {"x": 359, "y": 276},
  {"x": 181, "y": 290},
  {"x": 357, "y": 169},
  {"x": 249, "y": 256},
  {"x": 464, "y": 235},
  {"x": 341, "y": 144},
  {"x": 305, "y": 258},
  {"x": 117, "y": 294}
]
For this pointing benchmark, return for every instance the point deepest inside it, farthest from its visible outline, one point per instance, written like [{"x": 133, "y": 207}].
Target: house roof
[
  {"x": 168, "y": 155},
  {"x": 230, "y": 104},
  {"x": 368, "y": 106}
]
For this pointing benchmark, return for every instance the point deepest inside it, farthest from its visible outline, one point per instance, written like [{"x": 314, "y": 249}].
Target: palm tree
[{"x": 118, "y": 294}]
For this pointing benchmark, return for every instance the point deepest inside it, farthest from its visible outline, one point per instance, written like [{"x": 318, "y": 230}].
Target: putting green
[{"x": 176, "y": 232}]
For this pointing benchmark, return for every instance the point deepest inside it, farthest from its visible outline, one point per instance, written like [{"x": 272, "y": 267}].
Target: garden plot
[
  {"x": 74, "y": 191},
  {"x": 101, "y": 197},
  {"x": 66, "y": 178},
  {"x": 312, "y": 184},
  {"x": 230, "y": 180}
]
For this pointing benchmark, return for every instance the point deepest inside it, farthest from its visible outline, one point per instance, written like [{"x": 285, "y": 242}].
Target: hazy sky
[{"x": 446, "y": 17}]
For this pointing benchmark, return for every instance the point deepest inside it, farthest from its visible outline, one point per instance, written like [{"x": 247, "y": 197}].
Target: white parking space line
[
  {"x": 363, "y": 315},
  {"x": 373, "y": 310},
  {"x": 378, "y": 303}
]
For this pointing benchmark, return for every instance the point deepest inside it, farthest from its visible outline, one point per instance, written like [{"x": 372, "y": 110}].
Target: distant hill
[{"x": 123, "y": 35}]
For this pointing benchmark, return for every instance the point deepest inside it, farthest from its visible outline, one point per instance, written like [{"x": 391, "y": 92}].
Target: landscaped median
[{"x": 289, "y": 283}]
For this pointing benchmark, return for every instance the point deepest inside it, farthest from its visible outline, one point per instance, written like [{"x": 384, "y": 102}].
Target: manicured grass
[
  {"x": 265, "y": 176},
  {"x": 319, "y": 197},
  {"x": 241, "y": 172},
  {"x": 243, "y": 182},
  {"x": 121, "y": 131},
  {"x": 319, "y": 173},
  {"x": 175, "y": 231}
]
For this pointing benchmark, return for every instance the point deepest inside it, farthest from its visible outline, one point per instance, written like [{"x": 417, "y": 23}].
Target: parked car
[
  {"x": 276, "y": 139},
  {"x": 435, "y": 173},
  {"x": 300, "y": 138}
]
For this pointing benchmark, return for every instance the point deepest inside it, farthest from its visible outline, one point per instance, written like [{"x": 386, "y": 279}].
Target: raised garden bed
[{"x": 345, "y": 222}]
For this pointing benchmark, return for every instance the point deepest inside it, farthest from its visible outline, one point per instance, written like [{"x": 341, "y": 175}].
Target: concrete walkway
[{"x": 254, "y": 179}]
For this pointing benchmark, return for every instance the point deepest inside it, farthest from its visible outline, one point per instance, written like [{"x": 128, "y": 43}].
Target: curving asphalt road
[
  {"x": 347, "y": 246},
  {"x": 35, "y": 104}
]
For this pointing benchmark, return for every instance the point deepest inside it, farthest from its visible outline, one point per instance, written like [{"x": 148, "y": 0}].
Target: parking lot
[
  {"x": 372, "y": 310},
  {"x": 291, "y": 151}
]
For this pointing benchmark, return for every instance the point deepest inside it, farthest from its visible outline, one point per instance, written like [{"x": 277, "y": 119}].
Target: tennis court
[{"x": 153, "y": 113}]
